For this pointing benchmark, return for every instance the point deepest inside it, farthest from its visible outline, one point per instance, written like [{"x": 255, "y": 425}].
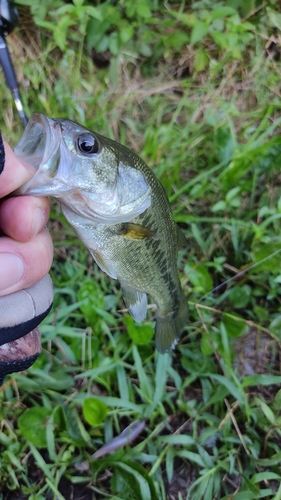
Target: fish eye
[{"x": 87, "y": 144}]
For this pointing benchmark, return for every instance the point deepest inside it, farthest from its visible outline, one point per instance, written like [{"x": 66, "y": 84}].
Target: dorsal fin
[{"x": 181, "y": 239}]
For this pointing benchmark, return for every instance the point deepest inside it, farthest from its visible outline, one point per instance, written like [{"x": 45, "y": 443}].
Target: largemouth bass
[{"x": 118, "y": 209}]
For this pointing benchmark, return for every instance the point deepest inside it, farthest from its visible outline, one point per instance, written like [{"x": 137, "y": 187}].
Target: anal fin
[
  {"x": 135, "y": 301},
  {"x": 170, "y": 327}
]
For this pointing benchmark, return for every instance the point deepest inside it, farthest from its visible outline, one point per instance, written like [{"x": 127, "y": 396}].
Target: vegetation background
[{"x": 194, "y": 88}]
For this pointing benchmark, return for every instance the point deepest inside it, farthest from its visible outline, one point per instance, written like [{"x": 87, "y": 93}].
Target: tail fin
[{"x": 169, "y": 327}]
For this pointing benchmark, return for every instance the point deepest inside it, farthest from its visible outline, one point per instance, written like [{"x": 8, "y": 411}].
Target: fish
[{"x": 119, "y": 210}]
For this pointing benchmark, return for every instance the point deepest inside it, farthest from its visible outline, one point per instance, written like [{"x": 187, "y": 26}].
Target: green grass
[{"x": 212, "y": 136}]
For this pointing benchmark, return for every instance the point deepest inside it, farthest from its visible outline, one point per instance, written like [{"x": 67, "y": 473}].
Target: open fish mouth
[
  {"x": 40, "y": 146},
  {"x": 35, "y": 141}
]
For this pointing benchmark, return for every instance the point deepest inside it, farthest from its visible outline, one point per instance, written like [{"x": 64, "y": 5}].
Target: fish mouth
[
  {"x": 40, "y": 146},
  {"x": 36, "y": 136}
]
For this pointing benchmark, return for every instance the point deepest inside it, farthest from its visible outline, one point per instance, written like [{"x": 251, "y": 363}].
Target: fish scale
[{"x": 119, "y": 210}]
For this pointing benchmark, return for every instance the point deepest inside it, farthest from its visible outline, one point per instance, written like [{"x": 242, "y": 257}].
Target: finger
[
  {"x": 15, "y": 172},
  {"x": 24, "y": 217},
  {"x": 22, "y": 264}
]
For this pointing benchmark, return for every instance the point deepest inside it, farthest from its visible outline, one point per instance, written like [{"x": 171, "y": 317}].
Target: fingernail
[
  {"x": 11, "y": 270},
  {"x": 2, "y": 154},
  {"x": 38, "y": 221}
]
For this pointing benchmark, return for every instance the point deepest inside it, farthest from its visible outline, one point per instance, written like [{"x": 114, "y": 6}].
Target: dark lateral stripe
[
  {"x": 10, "y": 333},
  {"x": 2, "y": 154}
]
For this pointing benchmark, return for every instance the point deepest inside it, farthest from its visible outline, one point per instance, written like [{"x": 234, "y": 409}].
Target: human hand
[{"x": 26, "y": 253}]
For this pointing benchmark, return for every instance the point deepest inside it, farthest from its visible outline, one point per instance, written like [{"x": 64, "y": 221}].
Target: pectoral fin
[
  {"x": 135, "y": 231},
  {"x": 135, "y": 301}
]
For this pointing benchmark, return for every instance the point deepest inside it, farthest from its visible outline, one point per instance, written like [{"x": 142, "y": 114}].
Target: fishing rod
[{"x": 8, "y": 21}]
